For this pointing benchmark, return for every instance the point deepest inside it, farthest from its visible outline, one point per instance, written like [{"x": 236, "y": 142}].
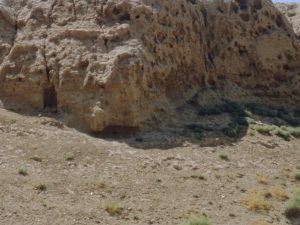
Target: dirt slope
[{"x": 51, "y": 174}]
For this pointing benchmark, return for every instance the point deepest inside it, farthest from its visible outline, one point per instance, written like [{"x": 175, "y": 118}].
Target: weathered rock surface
[
  {"x": 119, "y": 62},
  {"x": 292, "y": 13}
]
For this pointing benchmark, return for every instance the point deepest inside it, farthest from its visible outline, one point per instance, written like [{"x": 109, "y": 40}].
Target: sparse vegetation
[
  {"x": 203, "y": 220},
  {"x": 278, "y": 193},
  {"x": 297, "y": 175},
  {"x": 113, "y": 208},
  {"x": 264, "y": 129},
  {"x": 224, "y": 157},
  {"x": 69, "y": 156},
  {"x": 41, "y": 187},
  {"x": 243, "y": 115},
  {"x": 22, "y": 172},
  {"x": 284, "y": 132},
  {"x": 198, "y": 130},
  {"x": 291, "y": 13},
  {"x": 261, "y": 179},
  {"x": 256, "y": 200},
  {"x": 232, "y": 130},
  {"x": 293, "y": 206},
  {"x": 294, "y": 131}
]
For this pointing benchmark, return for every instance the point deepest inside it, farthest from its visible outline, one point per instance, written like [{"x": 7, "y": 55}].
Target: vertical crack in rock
[
  {"x": 49, "y": 92},
  {"x": 74, "y": 10}
]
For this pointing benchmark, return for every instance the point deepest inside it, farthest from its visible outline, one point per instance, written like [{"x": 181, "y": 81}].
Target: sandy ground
[{"x": 72, "y": 178}]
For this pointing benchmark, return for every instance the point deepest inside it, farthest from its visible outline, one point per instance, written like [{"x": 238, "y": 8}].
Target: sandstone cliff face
[
  {"x": 118, "y": 62},
  {"x": 292, "y": 13}
]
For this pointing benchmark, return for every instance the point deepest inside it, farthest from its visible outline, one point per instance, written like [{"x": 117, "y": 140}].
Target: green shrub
[
  {"x": 41, "y": 187},
  {"x": 224, "y": 157},
  {"x": 282, "y": 133},
  {"x": 23, "y": 172},
  {"x": 250, "y": 120},
  {"x": 291, "y": 13},
  {"x": 292, "y": 209},
  {"x": 232, "y": 130},
  {"x": 243, "y": 121},
  {"x": 294, "y": 131},
  {"x": 264, "y": 129},
  {"x": 297, "y": 175},
  {"x": 234, "y": 108},
  {"x": 69, "y": 156},
  {"x": 197, "y": 129},
  {"x": 113, "y": 209}
]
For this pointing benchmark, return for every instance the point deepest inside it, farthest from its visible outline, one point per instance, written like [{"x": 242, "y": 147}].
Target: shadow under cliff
[
  {"x": 219, "y": 125},
  {"x": 222, "y": 124}
]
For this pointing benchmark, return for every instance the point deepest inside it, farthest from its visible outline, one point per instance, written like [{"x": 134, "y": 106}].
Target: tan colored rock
[
  {"x": 292, "y": 13},
  {"x": 120, "y": 62}
]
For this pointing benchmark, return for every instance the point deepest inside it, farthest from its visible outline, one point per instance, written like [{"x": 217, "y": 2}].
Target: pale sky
[{"x": 294, "y": 1}]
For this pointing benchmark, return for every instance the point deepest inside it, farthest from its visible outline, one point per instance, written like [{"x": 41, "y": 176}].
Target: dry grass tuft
[
  {"x": 256, "y": 200},
  {"x": 113, "y": 208},
  {"x": 279, "y": 193},
  {"x": 261, "y": 179}
]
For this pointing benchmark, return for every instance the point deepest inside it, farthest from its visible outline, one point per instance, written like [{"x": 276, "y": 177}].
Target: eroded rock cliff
[
  {"x": 292, "y": 13},
  {"x": 119, "y": 62}
]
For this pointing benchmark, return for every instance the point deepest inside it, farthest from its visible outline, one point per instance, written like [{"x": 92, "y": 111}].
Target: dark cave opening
[{"x": 50, "y": 98}]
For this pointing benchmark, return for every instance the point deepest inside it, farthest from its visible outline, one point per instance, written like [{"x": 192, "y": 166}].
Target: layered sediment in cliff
[{"x": 119, "y": 62}]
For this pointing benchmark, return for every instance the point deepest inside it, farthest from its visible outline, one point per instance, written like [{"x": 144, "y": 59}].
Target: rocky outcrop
[
  {"x": 292, "y": 13},
  {"x": 119, "y": 62}
]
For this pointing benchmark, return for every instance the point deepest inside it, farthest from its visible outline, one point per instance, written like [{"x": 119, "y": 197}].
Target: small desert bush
[
  {"x": 264, "y": 129},
  {"x": 256, "y": 200},
  {"x": 224, "y": 157},
  {"x": 197, "y": 129},
  {"x": 232, "y": 130},
  {"x": 69, "y": 156},
  {"x": 282, "y": 133},
  {"x": 41, "y": 187},
  {"x": 294, "y": 131},
  {"x": 22, "y": 172},
  {"x": 203, "y": 220},
  {"x": 113, "y": 208},
  {"x": 261, "y": 179},
  {"x": 293, "y": 206},
  {"x": 278, "y": 193},
  {"x": 291, "y": 13},
  {"x": 297, "y": 175}
]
